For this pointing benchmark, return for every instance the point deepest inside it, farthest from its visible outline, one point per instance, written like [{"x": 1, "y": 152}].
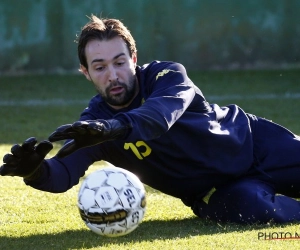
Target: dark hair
[{"x": 103, "y": 29}]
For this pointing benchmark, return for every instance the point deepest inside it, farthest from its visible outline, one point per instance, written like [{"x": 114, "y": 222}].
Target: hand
[
  {"x": 87, "y": 133},
  {"x": 25, "y": 160}
]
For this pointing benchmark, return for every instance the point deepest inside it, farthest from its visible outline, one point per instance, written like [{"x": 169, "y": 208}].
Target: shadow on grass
[{"x": 148, "y": 231}]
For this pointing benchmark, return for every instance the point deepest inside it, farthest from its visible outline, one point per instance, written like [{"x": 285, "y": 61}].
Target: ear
[
  {"x": 85, "y": 71},
  {"x": 134, "y": 58}
]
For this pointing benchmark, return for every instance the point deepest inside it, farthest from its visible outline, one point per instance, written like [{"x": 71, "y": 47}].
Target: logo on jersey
[{"x": 165, "y": 71}]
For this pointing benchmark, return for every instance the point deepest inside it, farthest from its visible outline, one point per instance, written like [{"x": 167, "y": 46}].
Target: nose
[{"x": 112, "y": 74}]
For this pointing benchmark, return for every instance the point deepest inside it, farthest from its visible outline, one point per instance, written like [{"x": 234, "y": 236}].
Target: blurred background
[{"x": 37, "y": 36}]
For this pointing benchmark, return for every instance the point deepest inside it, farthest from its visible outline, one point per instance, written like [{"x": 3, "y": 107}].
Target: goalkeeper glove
[
  {"x": 87, "y": 133},
  {"x": 26, "y": 160}
]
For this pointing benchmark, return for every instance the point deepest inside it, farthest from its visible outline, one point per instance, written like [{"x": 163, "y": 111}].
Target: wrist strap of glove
[{"x": 36, "y": 174}]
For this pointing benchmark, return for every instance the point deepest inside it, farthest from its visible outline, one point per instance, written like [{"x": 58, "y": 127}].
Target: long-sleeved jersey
[{"x": 179, "y": 143}]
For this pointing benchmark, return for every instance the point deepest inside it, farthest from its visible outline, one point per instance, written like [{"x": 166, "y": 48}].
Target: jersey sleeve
[
  {"x": 59, "y": 175},
  {"x": 169, "y": 93}
]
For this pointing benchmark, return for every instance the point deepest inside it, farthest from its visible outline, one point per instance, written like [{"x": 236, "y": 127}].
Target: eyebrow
[{"x": 114, "y": 58}]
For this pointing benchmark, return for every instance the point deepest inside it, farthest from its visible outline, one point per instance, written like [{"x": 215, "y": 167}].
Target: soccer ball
[{"x": 112, "y": 201}]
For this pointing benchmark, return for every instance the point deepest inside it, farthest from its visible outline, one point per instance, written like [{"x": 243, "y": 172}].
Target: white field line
[
  {"x": 209, "y": 98},
  {"x": 254, "y": 97},
  {"x": 37, "y": 102}
]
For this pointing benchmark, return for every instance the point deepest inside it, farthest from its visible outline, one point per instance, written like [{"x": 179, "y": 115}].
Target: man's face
[{"x": 112, "y": 71}]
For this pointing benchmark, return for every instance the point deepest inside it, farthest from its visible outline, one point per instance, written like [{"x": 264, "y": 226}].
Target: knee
[{"x": 240, "y": 203}]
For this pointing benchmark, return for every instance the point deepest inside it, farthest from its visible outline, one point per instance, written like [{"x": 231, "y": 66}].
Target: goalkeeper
[{"x": 227, "y": 165}]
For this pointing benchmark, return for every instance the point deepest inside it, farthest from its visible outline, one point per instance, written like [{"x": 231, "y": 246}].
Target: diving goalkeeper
[{"x": 227, "y": 165}]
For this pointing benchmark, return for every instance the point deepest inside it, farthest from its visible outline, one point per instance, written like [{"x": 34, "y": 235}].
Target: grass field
[{"x": 31, "y": 219}]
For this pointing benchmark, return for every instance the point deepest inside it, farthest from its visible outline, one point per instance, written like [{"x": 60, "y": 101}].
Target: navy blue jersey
[{"x": 179, "y": 143}]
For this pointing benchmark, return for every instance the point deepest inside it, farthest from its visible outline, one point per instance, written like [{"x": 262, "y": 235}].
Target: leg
[
  {"x": 248, "y": 201},
  {"x": 277, "y": 154}
]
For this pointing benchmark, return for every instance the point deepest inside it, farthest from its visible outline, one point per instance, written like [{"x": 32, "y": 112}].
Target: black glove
[
  {"x": 25, "y": 160},
  {"x": 87, "y": 133}
]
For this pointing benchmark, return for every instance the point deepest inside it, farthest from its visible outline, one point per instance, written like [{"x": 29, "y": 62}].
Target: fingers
[
  {"x": 10, "y": 159},
  {"x": 17, "y": 151},
  {"x": 7, "y": 170},
  {"x": 25, "y": 159},
  {"x": 72, "y": 131},
  {"x": 9, "y": 166},
  {"x": 44, "y": 148},
  {"x": 28, "y": 145},
  {"x": 61, "y": 133}
]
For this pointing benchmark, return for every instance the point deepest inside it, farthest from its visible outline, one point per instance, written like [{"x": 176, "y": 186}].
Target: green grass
[{"x": 31, "y": 219}]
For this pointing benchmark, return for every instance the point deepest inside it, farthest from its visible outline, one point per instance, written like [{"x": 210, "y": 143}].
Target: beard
[{"x": 123, "y": 98}]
